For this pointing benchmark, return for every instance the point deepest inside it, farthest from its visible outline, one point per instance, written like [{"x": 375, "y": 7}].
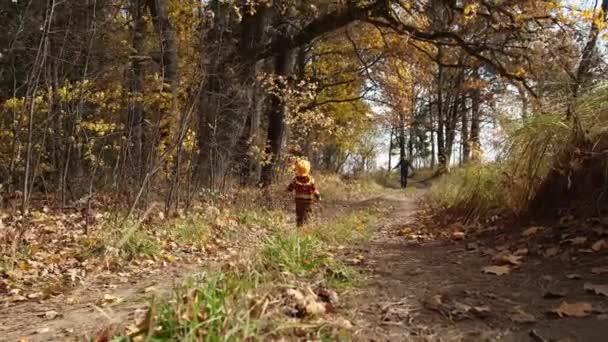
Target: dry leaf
[
  {"x": 599, "y": 245},
  {"x": 551, "y": 252},
  {"x": 574, "y": 276},
  {"x": 508, "y": 258},
  {"x": 599, "y": 270},
  {"x": 315, "y": 308},
  {"x": 342, "y": 323},
  {"x": 520, "y": 316},
  {"x": 577, "y": 241},
  {"x": 554, "y": 293},
  {"x": 531, "y": 231},
  {"x": 35, "y": 295},
  {"x": 110, "y": 299},
  {"x": 43, "y": 330},
  {"x": 521, "y": 251},
  {"x": 497, "y": 270},
  {"x": 458, "y": 235},
  {"x": 149, "y": 289},
  {"x": 597, "y": 289},
  {"x": 51, "y": 314},
  {"x": 580, "y": 309}
]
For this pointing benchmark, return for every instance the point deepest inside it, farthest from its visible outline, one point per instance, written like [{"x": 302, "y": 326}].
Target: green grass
[
  {"x": 235, "y": 302},
  {"x": 293, "y": 254},
  {"x": 476, "y": 189},
  {"x": 139, "y": 244},
  {"x": 193, "y": 230},
  {"x": 346, "y": 229}
]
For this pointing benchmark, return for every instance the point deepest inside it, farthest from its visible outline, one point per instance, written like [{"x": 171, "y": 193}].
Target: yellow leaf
[{"x": 580, "y": 309}]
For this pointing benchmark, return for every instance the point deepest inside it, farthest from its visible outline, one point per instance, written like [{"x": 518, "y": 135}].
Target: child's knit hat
[{"x": 302, "y": 167}]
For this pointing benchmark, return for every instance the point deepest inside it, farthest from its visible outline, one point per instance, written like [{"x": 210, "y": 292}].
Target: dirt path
[
  {"x": 112, "y": 299},
  {"x": 412, "y": 291},
  {"x": 436, "y": 292},
  {"x": 105, "y": 300}
]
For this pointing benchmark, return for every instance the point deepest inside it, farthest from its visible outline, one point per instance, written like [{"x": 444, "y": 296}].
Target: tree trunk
[
  {"x": 276, "y": 126},
  {"x": 432, "y": 129},
  {"x": 136, "y": 115},
  {"x": 466, "y": 142},
  {"x": 441, "y": 146},
  {"x": 390, "y": 149},
  {"x": 583, "y": 71},
  {"x": 168, "y": 49},
  {"x": 475, "y": 144}
]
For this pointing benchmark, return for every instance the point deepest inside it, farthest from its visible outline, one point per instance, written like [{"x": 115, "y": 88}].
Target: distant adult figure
[{"x": 405, "y": 166}]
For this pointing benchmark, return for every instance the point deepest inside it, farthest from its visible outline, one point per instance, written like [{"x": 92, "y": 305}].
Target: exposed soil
[{"x": 435, "y": 291}]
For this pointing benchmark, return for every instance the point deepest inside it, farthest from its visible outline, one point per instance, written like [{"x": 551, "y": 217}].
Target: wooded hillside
[{"x": 161, "y": 99}]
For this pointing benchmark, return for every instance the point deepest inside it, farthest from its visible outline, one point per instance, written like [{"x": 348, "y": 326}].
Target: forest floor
[{"x": 526, "y": 283}]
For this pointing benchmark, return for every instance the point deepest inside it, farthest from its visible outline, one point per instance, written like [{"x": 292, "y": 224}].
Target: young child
[{"x": 305, "y": 190}]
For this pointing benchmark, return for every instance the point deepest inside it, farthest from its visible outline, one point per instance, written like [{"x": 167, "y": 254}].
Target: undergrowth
[
  {"x": 247, "y": 302},
  {"x": 532, "y": 148}
]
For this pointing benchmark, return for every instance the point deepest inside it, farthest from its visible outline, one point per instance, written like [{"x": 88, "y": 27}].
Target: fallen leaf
[
  {"x": 315, "y": 308},
  {"x": 577, "y": 241},
  {"x": 508, "y": 258},
  {"x": 458, "y": 235},
  {"x": 17, "y": 298},
  {"x": 521, "y": 251},
  {"x": 35, "y": 295},
  {"x": 149, "y": 289},
  {"x": 520, "y": 316},
  {"x": 551, "y": 252},
  {"x": 531, "y": 231},
  {"x": 342, "y": 323},
  {"x": 51, "y": 314},
  {"x": 497, "y": 270},
  {"x": 599, "y": 270},
  {"x": 597, "y": 289},
  {"x": 110, "y": 299},
  {"x": 554, "y": 293},
  {"x": 433, "y": 302},
  {"x": 599, "y": 245},
  {"x": 43, "y": 330},
  {"x": 471, "y": 246},
  {"x": 580, "y": 309},
  {"x": 573, "y": 276},
  {"x": 481, "y": 311},
  {"x": 327, "y": 295}
]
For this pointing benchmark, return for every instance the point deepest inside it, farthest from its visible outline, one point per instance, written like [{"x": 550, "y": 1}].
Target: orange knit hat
[{"x": 302, "y": 167}]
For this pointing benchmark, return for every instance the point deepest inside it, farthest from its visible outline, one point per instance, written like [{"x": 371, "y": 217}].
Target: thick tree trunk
[
  {"x": 284, "y": 65},
  {"x": 167, "y": 39},
  {"x": 136, "y": 114},
  {"x": 220, "y": 118}
]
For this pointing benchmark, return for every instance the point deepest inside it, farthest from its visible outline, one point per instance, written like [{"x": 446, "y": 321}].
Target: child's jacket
[{"x": 305, "y": 190}]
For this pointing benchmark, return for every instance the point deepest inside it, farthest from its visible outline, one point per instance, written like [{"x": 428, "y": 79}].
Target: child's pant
[{"x": 302, "y": 212}]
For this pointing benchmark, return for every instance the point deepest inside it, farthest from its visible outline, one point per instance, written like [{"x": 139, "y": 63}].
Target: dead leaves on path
[
  {"x": 597, "y": 289},
  {"x": 580, "y": 309},
  {"x": 505, "y": 261},
  {"x": 497, "y": 270},
  {"x": 520, "y": 316},
  {"x": 455, "y": 309}
]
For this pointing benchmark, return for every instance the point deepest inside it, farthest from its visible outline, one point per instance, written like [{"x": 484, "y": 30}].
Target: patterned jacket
[{"x": 305, "y": 189}]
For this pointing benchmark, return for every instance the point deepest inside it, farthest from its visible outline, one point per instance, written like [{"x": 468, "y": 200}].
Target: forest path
[
  {"x": 436, "y": 291},
  {"x": 411, "y": 291}
]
